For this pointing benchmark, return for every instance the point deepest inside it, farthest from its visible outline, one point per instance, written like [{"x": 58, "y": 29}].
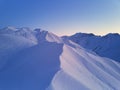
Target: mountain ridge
[
  {"x": 40, "y": 60},
  {"x": 102, "y": 45}
]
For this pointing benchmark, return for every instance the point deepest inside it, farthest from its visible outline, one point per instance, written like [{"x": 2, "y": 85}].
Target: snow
[
  {"x": 10, "y": 44},
  {"x": 81, "y": 70},
  {"x": 32, "y": 68},
  {"x": 40, "y": 60},
  {"x": 53, "y": 38},
  {"x": 104, "y": 46}
]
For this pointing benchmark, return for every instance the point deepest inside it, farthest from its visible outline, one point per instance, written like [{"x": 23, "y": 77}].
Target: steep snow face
[
  {"x": 81, "y": 70},
  {"x": 28, "y": 61},
  {"x": 105, "y": 46},
  {"x": 42, "y": 36},
  {"x": 32, "y": 68},
  {"x": 10, "y": 44},
  {"x": 53, "y": 38}
]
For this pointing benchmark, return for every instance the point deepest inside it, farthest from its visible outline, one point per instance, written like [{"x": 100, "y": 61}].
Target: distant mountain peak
[
  {"x": 9, "y": 28},
  {"x": 102, "y": 45},
  {"x": 83, "y": 34},
  {"x": 112, "y": 35}
]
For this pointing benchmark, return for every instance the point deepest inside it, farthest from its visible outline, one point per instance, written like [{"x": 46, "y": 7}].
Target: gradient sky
[{"x": 62, "y": 16}]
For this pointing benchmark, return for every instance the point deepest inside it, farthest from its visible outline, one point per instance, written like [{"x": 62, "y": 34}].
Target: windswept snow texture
[
  {"x": 105, "y": 46},
  {"x": 40, "y": 60},
  {"x": 81, "y": 70}
]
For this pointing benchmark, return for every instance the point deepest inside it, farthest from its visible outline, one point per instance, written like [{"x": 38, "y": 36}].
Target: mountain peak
[
  {"x": 9, "y": 28},
  {"x": 40, "y": 60},
  {"x": 83, "y": 34},
  {"x": 112, "y": 35},
  {"x": 99, "y": 44}
]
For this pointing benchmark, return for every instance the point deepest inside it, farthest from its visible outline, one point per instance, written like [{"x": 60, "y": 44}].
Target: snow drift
[
  {"x": 81, "y": 70},
  {"x": 40, "y": 60}
]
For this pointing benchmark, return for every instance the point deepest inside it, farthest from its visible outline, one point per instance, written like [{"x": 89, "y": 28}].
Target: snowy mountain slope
[
  {"x": 31, "y": 65},
  {"x": 44, "y": 61},
  {"x": 81, "y": 70},
  {"x": 36, "y": 35},
  {"x": 24, "y": 32},
  {"x": 32, "y": 68},
  {"x": 10, "y": 44},
  {"x": 105, "y": 46}
]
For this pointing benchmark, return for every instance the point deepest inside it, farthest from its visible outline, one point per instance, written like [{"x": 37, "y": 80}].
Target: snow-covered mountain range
[
  {"x": 105, "y": 46},
  {"x": 40, "y": 60}
]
